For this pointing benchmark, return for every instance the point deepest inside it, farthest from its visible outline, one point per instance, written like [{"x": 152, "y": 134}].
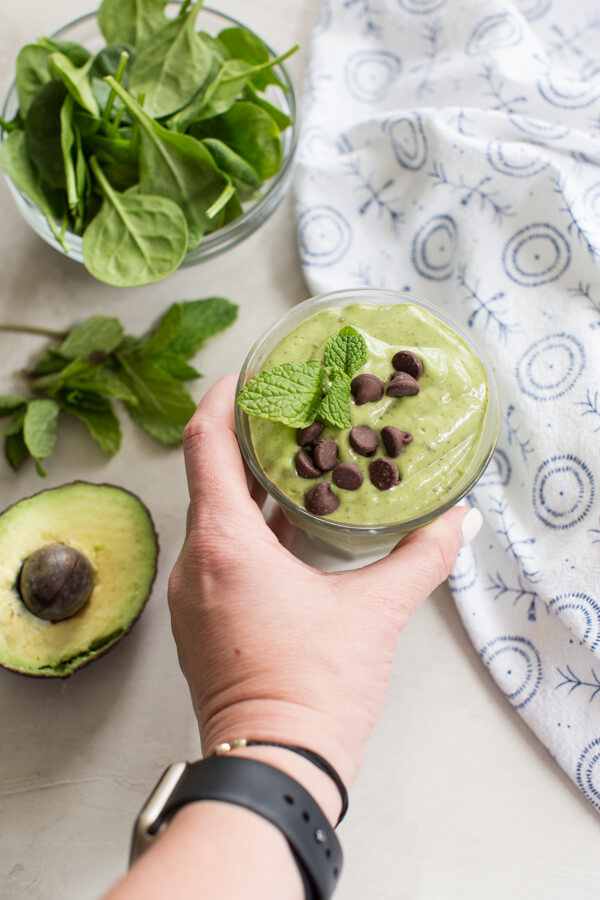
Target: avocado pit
[{"x": 55, "y": 582}]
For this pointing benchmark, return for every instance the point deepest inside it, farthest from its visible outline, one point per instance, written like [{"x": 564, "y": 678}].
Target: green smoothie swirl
[{"x": 445, "y": 418}]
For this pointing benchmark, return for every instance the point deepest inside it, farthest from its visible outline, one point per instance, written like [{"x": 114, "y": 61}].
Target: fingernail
[{"x": 470, "y": 526}]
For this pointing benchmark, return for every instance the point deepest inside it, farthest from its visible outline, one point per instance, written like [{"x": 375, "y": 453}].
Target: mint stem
[{"x": 32, "y": 329}]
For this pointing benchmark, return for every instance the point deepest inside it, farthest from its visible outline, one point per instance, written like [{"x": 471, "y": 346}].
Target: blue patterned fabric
[{"x": 452, "y": 148}]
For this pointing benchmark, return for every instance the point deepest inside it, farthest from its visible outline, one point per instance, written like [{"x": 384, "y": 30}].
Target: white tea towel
[{"x": 452, "y": 148}]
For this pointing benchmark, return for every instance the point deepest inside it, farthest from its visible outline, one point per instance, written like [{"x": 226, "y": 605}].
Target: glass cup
[
  {"x": 359, "y": 540},
  {"x": 84, "y": 30}
]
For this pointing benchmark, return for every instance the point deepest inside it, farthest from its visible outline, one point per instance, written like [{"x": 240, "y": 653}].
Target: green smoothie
[{"x": 445, "y": 418}]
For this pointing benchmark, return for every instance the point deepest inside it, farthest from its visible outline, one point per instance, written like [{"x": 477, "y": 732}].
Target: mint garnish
[
  {"x": 294, "y": 393},
  {"x": 289, "y": 393},
  {"x": 334, "y": 408},
  {"x": 346, "y": 351}
]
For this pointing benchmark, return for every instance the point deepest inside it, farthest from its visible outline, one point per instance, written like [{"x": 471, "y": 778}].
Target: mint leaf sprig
[
  {"x": 296, "y": 394},
  {"x": 84, "y": 370}
]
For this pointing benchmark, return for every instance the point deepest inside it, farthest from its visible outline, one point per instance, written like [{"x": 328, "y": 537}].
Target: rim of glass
[
  {"x": 240, "y": 228},
  {"x": 344, "y": 297}
]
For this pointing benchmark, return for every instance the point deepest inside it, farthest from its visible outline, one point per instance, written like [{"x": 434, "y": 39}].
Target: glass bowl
[
  {"x": 359, "y": 540},
  {"x": 85, "y": 31}
]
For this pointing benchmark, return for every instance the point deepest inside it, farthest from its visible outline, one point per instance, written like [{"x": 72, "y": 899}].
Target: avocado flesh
[{"x": 113, "y": 529}]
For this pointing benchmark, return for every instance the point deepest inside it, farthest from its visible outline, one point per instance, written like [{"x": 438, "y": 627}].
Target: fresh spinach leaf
[
  {"x": 13, "y": 125},
  {"x": 177, "y": 167},
  {"x": 32, "y": 73},
  {"x": 43, "y": 133},
  {"x": 281, "y": 119},
  {"x": 233, "y": 77},
  {"x": 131, "y": 22},
  {"x": 67, "y": 142},
  {"x": 76, "y": 81},
  {"x": 106, "y": 62},
  {"x": 75, "y": 52},
  {"x": 15, "y": 163},
  {"x": 172, "y": 66},
  {"x": 239, "y": 43},
  {"x": 243, "y": 177},
  {"x": 135, "y": 239},
  {"x": 250, "y": 132}
]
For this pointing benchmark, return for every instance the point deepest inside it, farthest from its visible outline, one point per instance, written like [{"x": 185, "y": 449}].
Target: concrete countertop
[{"x": 456, "y": 801}]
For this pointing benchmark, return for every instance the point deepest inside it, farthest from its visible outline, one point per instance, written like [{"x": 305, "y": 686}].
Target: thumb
[{"x": 419, "y": 564}]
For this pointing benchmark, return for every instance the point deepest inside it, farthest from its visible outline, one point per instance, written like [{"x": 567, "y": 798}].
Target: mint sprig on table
[
  {"x": 85, "y": 369},
  {"x": 296, "y": 394},
  {"x": 149, "y": 145}
]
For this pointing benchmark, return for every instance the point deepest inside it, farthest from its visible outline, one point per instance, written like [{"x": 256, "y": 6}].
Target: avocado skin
[{"x": 112, "y": 640}]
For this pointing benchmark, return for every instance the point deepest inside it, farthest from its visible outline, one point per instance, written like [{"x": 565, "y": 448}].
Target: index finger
[{"x": 213, "y": 462}]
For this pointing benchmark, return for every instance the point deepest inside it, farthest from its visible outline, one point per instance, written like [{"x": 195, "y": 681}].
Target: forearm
[
  {"x": 224, "y": 850},
  {"x": 214, "y": 850}
]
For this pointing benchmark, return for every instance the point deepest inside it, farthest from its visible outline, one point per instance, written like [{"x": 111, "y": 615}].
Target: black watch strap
[{"x": 272, "y": 794}]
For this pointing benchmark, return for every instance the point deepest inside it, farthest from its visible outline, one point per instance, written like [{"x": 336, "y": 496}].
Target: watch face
[{"x": 149, "y": 823}]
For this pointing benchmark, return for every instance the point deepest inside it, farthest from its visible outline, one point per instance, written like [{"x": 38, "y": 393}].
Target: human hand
[{"x": 273, "y": 649}]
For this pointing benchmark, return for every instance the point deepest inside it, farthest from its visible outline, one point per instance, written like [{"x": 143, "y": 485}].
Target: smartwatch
[{"x": 265, "y": 790}]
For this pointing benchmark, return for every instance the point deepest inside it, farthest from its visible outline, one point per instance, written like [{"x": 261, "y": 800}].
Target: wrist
[
  {"x": 285, "y": 723},
  {"x": 318, "y": 784}
]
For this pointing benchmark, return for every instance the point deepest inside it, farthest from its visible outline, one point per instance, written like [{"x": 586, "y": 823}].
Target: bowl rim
[
  {"x": 233, "y": 233},
  {"x": 379, "y": 295}
]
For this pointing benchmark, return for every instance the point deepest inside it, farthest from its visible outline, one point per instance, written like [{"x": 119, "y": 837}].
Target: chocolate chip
[
  {"x": 325, "y": 454},
  {"x": 407, "y": 361},
  {"x": 321, "y": 501},
  {"x": 305, "y": 466},
  {"x": 366, "y": 389},
  {"x": 306, "y": 436},
  {"x": 402, "y": 385},
  {"x": 348, "y": 476},
  {"x": 364, "y": 440},
  {"x": 395, "y": 440},
  {"x": 384, "y": 473}
]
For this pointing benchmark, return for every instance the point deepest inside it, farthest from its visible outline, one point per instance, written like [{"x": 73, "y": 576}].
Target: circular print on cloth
[
  {"x": 498, "y": 472},
  {"x": 464, "y": 573},
  {"x": 539, "y": 128},
  {"x": 551, "y": 367},
  {"x": 563, "y": 492},
  {"x": 534, "y": 9},
  {"x": 588, "y": 772},
  {"x": 324, "y": 236},
  {"x": 494, "y": 32},
  {"x": 422, "y": 7},
  {"x": 591, "y": 200},
  {"x": 519, "y": 160},
  {"x": 568, "y": 92},
  {"x": 408, "y": 140},
  {"x": 516, "y": 667},
  {"x": 434, "y": 248},
  {"x": 370, "y": 74},
  {"x": 536, "y": 254},
  {"x": 581, "y": 614}
]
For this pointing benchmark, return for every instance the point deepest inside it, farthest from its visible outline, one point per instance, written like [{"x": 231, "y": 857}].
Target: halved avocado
[{"x": 54, "y": 547}]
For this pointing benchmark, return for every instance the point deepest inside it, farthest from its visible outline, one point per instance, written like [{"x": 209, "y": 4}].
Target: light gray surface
[{"x": 456, "y": 798}]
